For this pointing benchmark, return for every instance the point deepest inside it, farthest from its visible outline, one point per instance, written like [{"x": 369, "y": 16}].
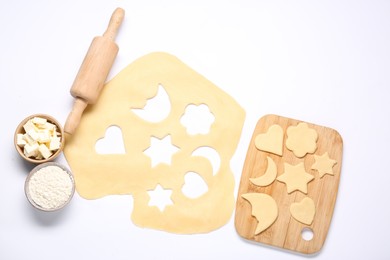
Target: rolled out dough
[{"x": 98, "y": 175}]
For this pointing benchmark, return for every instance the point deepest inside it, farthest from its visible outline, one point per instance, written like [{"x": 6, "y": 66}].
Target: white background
[{"x": 325, "y": 62}]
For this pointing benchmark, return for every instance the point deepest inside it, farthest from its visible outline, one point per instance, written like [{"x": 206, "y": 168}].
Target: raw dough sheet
[{"x": 132, "y": 173}]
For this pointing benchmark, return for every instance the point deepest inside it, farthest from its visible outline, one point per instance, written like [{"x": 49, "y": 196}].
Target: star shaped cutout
[
  {"x": 295, "y": 177},
  {"x": 324, "y": 165},
  {"x": 160, "y": 197},
  {"x": 161, "y": 150}
]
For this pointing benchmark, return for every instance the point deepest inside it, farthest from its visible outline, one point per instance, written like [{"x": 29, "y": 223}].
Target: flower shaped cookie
[{"x": 301, "y": 140}]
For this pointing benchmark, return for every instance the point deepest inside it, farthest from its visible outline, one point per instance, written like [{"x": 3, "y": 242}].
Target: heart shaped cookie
[
  {"x": 271, "y": 141},
  {"x": 303, "y": 211}
]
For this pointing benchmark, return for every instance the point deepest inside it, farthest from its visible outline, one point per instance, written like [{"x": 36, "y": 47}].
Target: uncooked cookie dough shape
[
  {"x": 99, "y": 175},
  {"x": 301, "y": 139},
  {"x": 264, "y": 209},
  {"x": 323, "y": 164},
  {"x": 268, "y": 177},
  {"x": 295, "y": 177},
  {"x": 271, "y": 141},
  {"x": 303, "y": 211}
]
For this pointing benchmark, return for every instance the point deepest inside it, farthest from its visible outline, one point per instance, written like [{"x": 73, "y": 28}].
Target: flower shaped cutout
[
  {"x": 197, "y": 119},
  {"x": 301, "y": 140}
]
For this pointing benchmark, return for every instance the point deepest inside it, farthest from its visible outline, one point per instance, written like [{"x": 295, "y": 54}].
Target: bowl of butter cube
[{"x": 39, "y": 138}]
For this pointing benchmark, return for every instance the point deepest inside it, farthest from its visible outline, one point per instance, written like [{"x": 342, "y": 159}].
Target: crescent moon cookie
[{"x": 268, "y": 177}]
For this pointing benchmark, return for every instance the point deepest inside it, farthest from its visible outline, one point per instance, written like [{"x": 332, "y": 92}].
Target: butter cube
[
  {"x": 39, "y": 121},
  {"x": 31, "y": 150},
  {"x": 28, "y": 139},
  {"x": 20, "y": 140},
  {"x": 55, "y": 143},
  {"x": 49, "y": 126},
  {"x": 44, "y": 151},
  {"x": 29, "y": 126},
  {"x": 33, "y": 135},
  {"x": 44, "y": 136}
]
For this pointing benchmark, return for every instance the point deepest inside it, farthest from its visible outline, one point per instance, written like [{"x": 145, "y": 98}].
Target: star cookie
[
  {"x": 324, "y": 165},
  {"x": 295, "y": 177}
]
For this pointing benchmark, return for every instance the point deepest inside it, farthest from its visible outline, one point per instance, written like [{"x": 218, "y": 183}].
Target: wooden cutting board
[{"x": 286, "y": 231}]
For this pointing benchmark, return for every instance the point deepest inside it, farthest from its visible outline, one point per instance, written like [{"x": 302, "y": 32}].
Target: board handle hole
[{"x": 307, "y": 234}]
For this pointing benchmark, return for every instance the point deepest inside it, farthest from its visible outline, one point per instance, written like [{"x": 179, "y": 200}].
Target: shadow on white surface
[
  {"x": 23, "y": 166},
  {"x": 48, "y": 219}
]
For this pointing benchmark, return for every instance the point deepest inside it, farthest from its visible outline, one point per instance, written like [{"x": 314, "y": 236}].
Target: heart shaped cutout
[
  {"x": 194, "y": 185},
  {"x": 112, "y": 142},
  {"x": 271, "y": 141},
  {"x": 303, "y": 211}
]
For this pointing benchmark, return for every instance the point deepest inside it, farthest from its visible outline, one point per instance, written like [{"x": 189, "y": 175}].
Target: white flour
[{"x": 50, "y": 187}]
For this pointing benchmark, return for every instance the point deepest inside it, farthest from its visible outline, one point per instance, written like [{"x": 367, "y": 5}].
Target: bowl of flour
[{"x": 49, "y": 186}]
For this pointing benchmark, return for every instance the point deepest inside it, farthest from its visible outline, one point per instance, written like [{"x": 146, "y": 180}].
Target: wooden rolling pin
[{"x": 94, "y": 70}]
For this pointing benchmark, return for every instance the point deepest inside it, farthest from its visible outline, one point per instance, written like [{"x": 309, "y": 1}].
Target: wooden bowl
[
  {"x": 20, "y": 130},
  {"x": 34, "y": 171}
]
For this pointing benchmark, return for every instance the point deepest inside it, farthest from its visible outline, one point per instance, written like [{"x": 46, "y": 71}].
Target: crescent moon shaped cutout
[
  {"x": 157, "y": 108},
  {"x": 268, "y": 177},
  {"x": 211, "y": 154}
]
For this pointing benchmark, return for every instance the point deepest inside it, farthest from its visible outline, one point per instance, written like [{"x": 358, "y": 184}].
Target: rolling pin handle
[
  {"x": 74, "y": 117},
  {"x": 114, "y": 24}
]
